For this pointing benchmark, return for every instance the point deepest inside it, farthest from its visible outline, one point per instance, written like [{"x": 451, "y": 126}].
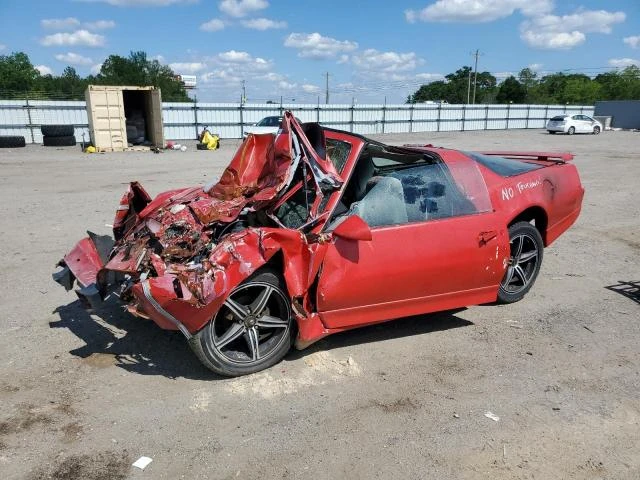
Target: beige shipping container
[{"x": 111, "y": 109}]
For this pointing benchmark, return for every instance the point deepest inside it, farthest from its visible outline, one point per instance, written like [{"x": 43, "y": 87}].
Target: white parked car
[
  {"x": 266, "y": 125},
  {"x": 574, "y": 124}
]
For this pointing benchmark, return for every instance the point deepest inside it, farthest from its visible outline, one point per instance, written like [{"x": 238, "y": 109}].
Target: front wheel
[
  {"x": 552, "y": 132},
  {"x": 571, "y": 130},
  {"x": 596, "y": 130},
  {"x": 524, "y": 263},
  {"x": 253, "y": 330}
]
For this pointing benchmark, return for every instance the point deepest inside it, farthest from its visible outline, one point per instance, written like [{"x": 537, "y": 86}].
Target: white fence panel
[{"x": 185, "y": 120}]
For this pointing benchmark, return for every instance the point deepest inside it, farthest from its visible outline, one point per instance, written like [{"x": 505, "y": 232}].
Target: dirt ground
[{"x": 84, "y": 396}]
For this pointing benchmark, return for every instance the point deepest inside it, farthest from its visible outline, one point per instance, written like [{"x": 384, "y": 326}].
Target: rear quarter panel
[{"x": 555, "y": 188}]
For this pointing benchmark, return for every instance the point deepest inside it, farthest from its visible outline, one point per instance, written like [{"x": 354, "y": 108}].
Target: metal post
[
  {"x": 546, "y": 113},
  {"x": 241, "y": 120},
  {"x": 508, "y": 114},
  {"x": 411, "y": 118},
  {"x": 464, "y": 115},
  {"x": 195, "y": 115},
  {"x": 438, "y": 119},
  {"x": 486, "y": 116},
  {"x": 384, "y": 113},
  {"x": 526, "y": 123},
  {"x": 318, "y": 111},
  {"x": 352, "y": 108},
  {"x": 281, "y": 105},
  {"x": 29, "y": 117}
]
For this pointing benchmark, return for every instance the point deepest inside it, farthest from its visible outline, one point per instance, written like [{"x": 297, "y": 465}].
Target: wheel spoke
[
  {"x": 516, "y": 255},
  {"x": 238, "y": 310},
  {"x": 251, "y": 335},
  {"x": 520, "y": 273},
  {"x": 267, "y": 321},
  {"x": 260, "y": 303},
  {"x": 509, "y": 277},
  {"x": 230, "y": 335},
  {"x": 525, "y": 257}
]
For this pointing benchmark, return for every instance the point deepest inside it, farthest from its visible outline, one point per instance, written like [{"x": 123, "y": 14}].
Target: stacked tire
[
  {"x": 58, "y": 135},
  {"x": 12, "y": 141}
]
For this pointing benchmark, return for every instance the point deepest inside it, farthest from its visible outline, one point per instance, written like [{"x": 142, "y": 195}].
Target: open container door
[
  {"x": 105, "y": 111},
  {"x": 154, "y": 109}
]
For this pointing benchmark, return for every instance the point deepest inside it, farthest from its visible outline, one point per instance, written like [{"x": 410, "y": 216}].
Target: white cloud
[
  {"x": 44, "y": 70},
  {"x": 429, "y": 77},
  {"x": 2, "y": 47},
  {"x": 100, "y": 25},
  {"x": 553, "y": 40},
  {"x": 633, "y": 41},
  {"x": 68, "y": 23},
  {"x": 385, "y": 62},
  {"x": 535, "y": 66},
  {"x": 159, "y": 58},
  {"x": 77, "y": 38},
  {"x": 71, "y": 58},
  {"x": 567, "y": 31},
  {"x": 474, "y": 11},
  {"x": 308, "y": 88},
  {"x": 284, "y": 85},
  {"x": 241, "y": 8},
  {"x": 95, "y": 69},
  {"x": 229, "y": 68},
  {"x": 624, "y": 62},
  {"x": 314, "y": 45},
  {"x": 263, "y": 24},
  {"x": 212, "y": 25},
  {"x": 235, "y": 57},
  {"x": 187, "y": 67},
  {"x": 140, "y": 3}
]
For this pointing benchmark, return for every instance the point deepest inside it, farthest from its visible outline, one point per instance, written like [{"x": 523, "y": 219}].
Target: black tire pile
[
  {"x": 58, "y": 135},
  {"x": 12, "y": 141}
]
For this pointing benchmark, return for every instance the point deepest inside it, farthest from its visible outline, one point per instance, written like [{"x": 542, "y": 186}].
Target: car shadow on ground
[
  {"x": 114, "y": 337},
  {"x": 628, "y": 289}
]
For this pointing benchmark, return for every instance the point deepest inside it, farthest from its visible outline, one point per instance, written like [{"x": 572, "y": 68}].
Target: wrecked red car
[{"x": 314, "y": 231}]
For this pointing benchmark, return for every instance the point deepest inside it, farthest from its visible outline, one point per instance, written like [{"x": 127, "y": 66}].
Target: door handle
[{"x": 486, "y": 237}]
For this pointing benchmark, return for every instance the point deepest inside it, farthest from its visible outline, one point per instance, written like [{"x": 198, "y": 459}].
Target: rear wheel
[
  {"x": 524, "y": 262},
  {"x": 253, "y": 330},
  {"x": 596, "y": 130},
  {"x": 571, "y": 130},
  {"x": 552, "y": 132}
]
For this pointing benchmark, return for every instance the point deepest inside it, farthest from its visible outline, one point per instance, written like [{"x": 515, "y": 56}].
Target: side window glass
[{"x": 338, "y": 152}]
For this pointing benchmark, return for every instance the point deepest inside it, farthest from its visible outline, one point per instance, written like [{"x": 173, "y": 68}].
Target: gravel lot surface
[{"x": 83, "y": 396}]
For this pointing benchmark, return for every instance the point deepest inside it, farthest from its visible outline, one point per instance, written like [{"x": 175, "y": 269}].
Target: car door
[{"x": 453, "y": 256}]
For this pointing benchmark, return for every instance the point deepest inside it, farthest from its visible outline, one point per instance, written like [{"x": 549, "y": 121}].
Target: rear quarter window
[{"x": 504, "y": 167}]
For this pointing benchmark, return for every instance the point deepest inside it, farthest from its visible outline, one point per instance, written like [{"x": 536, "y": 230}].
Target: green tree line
[
  {"x": 20, "y": 79},
  {"x": 528, "y": 88}
]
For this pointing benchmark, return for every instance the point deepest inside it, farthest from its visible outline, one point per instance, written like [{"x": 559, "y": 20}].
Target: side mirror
[{"x": 353, "y": 228}]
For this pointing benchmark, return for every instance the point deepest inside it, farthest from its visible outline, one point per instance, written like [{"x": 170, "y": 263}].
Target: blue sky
[{"x": 372, "y": 49}]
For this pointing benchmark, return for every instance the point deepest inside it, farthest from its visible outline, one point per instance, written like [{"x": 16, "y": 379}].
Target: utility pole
[
  {"x": 469, "y": 87},
  {"x": 326, "y": 97},
  {"x": 475, "y": 75},
  {"x": 244, "y": 92}
]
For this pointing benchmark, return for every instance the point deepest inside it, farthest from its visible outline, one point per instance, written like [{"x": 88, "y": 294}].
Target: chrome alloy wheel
[
  {"x": 252, "y": 323},
  {"x": 522, "y": 264}
]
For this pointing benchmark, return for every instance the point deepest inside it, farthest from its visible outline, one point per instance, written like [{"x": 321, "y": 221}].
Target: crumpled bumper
[{"x": 83, "y": 264}]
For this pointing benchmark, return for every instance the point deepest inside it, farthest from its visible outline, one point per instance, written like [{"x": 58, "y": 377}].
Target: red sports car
[{"x": 313, "y": 231}]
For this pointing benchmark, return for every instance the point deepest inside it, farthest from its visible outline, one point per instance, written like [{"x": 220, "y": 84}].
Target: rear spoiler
[{"x": 543, "y": 156}]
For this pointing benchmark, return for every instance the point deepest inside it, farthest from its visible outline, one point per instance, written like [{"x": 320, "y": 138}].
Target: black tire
[
  {"x": 527, "y": 250},
  {"x": 13, "y": 141},
  {"x": 596, "y": 130},
  {"x": 551, "y": 132},
  {"x": 571, "y": 130},
  {"x": 201, "y": 146},
  {"x": 57, "y": 130},
  {"x": 224, "y": 345},
  {"x": 69, "y": 141}
]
